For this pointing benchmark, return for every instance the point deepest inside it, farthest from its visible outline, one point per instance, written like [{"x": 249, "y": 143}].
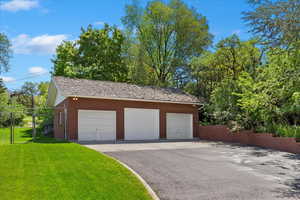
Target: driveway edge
[{"x": 146, "y": 185}]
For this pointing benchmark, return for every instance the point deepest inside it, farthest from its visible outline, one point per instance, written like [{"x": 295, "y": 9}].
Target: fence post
[
  {"x": 11, "y": 120},
  {"x": 11, "y": 129}
]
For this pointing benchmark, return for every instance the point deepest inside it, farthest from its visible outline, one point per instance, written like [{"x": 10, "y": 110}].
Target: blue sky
[{"x": 36, "y": 27}]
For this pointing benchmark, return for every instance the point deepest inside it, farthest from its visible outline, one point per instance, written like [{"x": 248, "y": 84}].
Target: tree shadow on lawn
[
  {"x": 26, "y": 133},
  {"x": 40, "y": 137},
  {"x": 48, "y": 140}
]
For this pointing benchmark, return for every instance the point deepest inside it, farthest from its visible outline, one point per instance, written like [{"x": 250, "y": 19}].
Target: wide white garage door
[
  {"x": 96, "y": 125},
  {"x": 179, "y": 126},
  {"x": 141, "y": 124}
]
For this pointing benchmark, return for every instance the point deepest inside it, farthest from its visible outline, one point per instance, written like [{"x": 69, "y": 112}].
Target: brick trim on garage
[{"x": 73, "y": 106}]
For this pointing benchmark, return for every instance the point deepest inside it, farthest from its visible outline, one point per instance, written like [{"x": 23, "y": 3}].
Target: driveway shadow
[
  {"x": 286, "y": 165},
  {"x": 293, "y": 156},
  {"x": 292, "y": 190},
  {"x": 254, "y": 150}
]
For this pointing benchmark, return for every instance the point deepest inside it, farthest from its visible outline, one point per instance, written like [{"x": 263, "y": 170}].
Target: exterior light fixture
[{"x": 75, "y": 99}]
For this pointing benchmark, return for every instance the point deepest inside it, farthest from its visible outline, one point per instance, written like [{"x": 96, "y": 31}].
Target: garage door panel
[
  {"x": 96, "y": 125},
  {"x": 179, "y": 126},
  {"x": 141, "y": 124}
]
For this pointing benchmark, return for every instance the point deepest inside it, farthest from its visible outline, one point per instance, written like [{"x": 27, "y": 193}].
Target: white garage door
[
  {"x": 141, "y": 124},
  {"x": 96, "y": 125},
  {"x": 179, "y": 126}
]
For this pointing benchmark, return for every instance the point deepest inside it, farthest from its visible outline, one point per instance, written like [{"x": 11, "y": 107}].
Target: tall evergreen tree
[{"x": 277, "y": 23}]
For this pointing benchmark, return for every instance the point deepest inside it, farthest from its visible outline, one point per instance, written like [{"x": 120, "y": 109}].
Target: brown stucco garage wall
[
  {"x": 118, "y": 105},
  {"x": 222, "y": 133}
]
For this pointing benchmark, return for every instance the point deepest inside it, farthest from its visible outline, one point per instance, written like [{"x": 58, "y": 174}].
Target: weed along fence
[{"x": 267, "y": 140}]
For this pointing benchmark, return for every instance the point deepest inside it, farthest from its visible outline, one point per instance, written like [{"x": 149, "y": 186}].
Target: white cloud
[
  {"x": 43, "y": 44},
  {"x": 237, "y": 32},
  {"x": 37, "y": 70},
  {"x": 17, "y": 5},
  {"x": 99, "y": 23},
  {"x": 7, "y": 79}
]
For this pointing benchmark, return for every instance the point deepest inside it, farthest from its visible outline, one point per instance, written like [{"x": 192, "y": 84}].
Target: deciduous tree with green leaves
[
  {"x": 271, "y": 98},
  {"x": 2, "y": 86},
  {"x": 5, "y": 53},
  {"x": 97, "y": 55},
  {"x": 30, "y": 90},
  {"x": 231, "y": 57},
  {"x": 169, "y": 35}
]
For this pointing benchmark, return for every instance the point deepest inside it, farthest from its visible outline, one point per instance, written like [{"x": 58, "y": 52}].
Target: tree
[
  {"x": 3, "y": 103},
  {"x": 138, "y": 72},
  {"x": 206, "y": 75},
  {"x": 45, "y": 114},
  {"x": 97, "y": 54},
  {"x": 41, "y": 95},
  {"x": 8, "y": 106},
  {"x": 2, "y": 86},
  {"x": 64, "y": 61},
  {"x": 43, "y": 88},
  {"x": 4, "y": 113},
  {"x": 5, "y": 53},
  {"x": 30, "y": 90},
  {"x": 271, "y": 97},
  {"x": 253, "y": 103},
  {"x": 234, "y": 56},
  {"x": 168, "y": 34},
  {"x": 223, "y": 102},
  {"x": 275, "y": 22},
  {"x": 255, "y": 84},
  {"x": 230, "y": 58}
]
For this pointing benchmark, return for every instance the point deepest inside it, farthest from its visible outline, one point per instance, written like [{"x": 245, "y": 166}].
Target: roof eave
[{"x": 130, "y": 99}]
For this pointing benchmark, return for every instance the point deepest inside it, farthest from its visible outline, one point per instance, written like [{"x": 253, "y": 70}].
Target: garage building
[{"x": 89, "y": 110}]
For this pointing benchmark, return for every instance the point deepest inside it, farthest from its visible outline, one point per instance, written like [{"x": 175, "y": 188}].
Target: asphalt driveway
[{"x": 211, "y": 171}]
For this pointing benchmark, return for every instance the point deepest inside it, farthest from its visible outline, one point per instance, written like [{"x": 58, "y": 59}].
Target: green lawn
[
  {"x": 48, "y": 169},
  {"x": 22, "y": 135}
]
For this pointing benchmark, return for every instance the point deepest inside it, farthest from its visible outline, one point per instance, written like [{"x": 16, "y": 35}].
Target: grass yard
[
  {"x": 48, "y": 169},
  {"x": 22, "y": 135}
]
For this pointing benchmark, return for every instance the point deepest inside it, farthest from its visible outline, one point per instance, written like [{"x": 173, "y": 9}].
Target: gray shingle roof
[{"x": 107, "y": 89}]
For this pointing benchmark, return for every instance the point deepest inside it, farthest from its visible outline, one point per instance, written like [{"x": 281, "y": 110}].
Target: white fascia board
[{"x": 128, "y": 99}]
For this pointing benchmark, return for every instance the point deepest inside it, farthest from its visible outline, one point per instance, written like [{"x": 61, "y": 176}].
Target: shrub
[
  {"x": 287, "y": 130},
  {"x": 297, "y": 134},
  {"x": 282, "y": 130}
]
